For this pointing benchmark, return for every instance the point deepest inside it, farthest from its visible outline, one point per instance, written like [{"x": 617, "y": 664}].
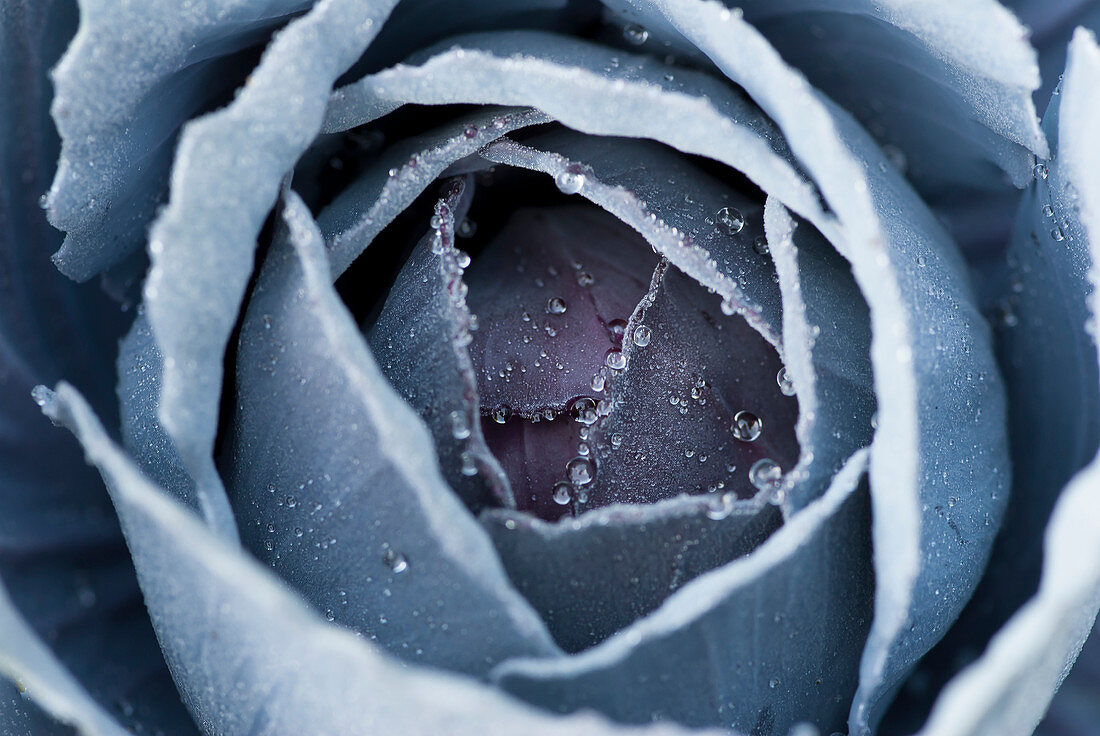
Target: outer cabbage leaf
[
  {"x": 225, "y": 180},
  {"x": 337, "y": 486},
  {"x": 1009, "y": 687},
  {"x": 947, "y": 84},
  {"x": 132, "y": 76},
  {"x": 29, "y": 661},
  {"x": 247, "y": 653},
  {"x": 74, "y": 632},
  {"x": 402, "y": 173},
  {"x": 420, "y": 341},
  {"x": 804, "y": 656},
  {"x": 939, "y": 466}
]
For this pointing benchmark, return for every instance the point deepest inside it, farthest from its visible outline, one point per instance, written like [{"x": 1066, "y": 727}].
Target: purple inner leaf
[{"x": 607, "y": 377}]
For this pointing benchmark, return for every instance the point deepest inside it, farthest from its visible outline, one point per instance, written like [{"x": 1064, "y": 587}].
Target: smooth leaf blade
[
  {"x": 225, "y": 180},
  {"x": 1009, "y": 687},
  {"x": 119, "y": 106},
  {"x": 801, "y": 603},
  {"x": 337, "y": 484}
]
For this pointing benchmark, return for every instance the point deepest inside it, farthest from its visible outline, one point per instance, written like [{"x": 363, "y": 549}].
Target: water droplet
[
  {"x": 580, "y": 471},
  {"x": 329, "y": 615},
  {"x": 642, "y": 335},
  {"x": 569, "y": 182},
  {"x": 470, "y": 131},
  {"x": 615, "y": 359},
  {"x": 1058, "y": 234},
  {"x": 1040, "y": 171},
  {"x": 598, "y": 382},
  {"x": 635, "y": 34},
  {"x": 773, "y": 683},
  {"x": 786, "y": 385},
  {"x": 728, "y": 307},
  {"x": 469, "y": 465},
  {"x": 463, "y": 259},
  {"x": 501, "y": 413},
  {"x": 585, "y": 279},
  {"x": 760, "y": 245},
  {"x": 747, "y": 426},
  {"x": 556, "y": 305},
  {"x": 1048, "y": 210},
  {"x": 617, "y": 328},
  {"x": 616, "y": 441},
  {"x": 563, "y": 494},
  {"x": 729, "y": 220},
  {"x": 583, "y": 411},
  {"x": 459, "y": 429},
  {"x": 765, "y": 473},
  {"x": 395, "y": 561}
]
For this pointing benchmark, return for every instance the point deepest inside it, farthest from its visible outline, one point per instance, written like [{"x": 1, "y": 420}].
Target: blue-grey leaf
[
  {"x": 75, "y": 629},
  {"x": 1048, "y": 356},
  {"x": 939, "y": 465},
  {"x": 1009, "y": 687},
  {"x": 28, "y": 660},
  {"x": 947, "y": 85},
  {"x": 337, "y": 486},
  {"x": 620, "y": 172},
  {"x": 225, "y": 180},
  {"x": 792, "y": 617},
  {"x": 420, "y": 344},
  {"x": 572, "y": 80},
  {"x": 132, "y": 76},
  {"x": 250, "y": 656},
  {"x": 1050, "y": 25},
  {"x": 1075, "y": 710},
  {"x": 403, "y": 171},
  {"x": 591, "y": 576},
  {"x": 895, "y": 246},
  {"x": 827, "y": 338},
  {"x": 675, "y": 206},
  {"x": 140, "y": 367},
  {"x": 22, "y": 717}
]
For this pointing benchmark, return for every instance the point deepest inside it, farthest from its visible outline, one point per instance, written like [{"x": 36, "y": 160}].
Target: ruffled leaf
[
  {"x": 336, "y": 483},
  {"x": 226, "y": 178},
  {"x": 27, "y": 660},
  {"x": 645, "y": 552},
  {"x": 420, "y": 342},
  {"x": 827, "y": 337},
  {"x": 572, "y": 81},
  {"x": 1010, "y": 686},
  {"x": 1075, "y": 709},
  {"x": 947, "y": 85},
  {"x": 402, "y": 173},
  {"x": 800, "y": 604},
  {"x": 939, "y": 463},
  {"x": 74, "y": 632},
  {"x": 132, "y": 76},
  {"x": 248, "y": 654},
  {"x": 703, "y": 226},
  {"x": 1050, "y": 25}
]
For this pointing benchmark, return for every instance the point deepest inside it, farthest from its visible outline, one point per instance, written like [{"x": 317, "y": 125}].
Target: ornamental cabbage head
[{"x": 548, "y": 366}]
